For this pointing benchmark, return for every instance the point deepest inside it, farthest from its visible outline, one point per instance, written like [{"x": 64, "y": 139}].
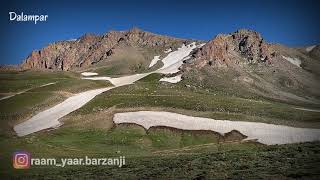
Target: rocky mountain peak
[
  {"x": 90, "y": 49},
  {"x": 246, "y": 33},
  {"x": 135, "y": 30},
  {"x": 242, "y": 46},
  {"x": 88, "y": 37},
  {"x": 252, "y": 45}
]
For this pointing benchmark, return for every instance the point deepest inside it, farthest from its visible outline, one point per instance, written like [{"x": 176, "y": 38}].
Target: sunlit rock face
[
  {"x": 91, "y": 49},
  {"x": 225, "y": 50}
]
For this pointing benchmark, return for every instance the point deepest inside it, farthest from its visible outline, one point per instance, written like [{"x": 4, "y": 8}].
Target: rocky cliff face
[
  {"x": 91, "y": 49},
  {"x": 242, "y": 46},
  {"x": 243, "y": 61}
]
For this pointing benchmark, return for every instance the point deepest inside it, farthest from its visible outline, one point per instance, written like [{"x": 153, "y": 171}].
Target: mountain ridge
[
  {"x": 90, "y": 49},
  {"x": 240, "y": 60}
]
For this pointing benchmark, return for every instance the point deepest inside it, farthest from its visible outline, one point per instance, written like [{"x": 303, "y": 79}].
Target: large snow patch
[{"x": 262, "y": 132}]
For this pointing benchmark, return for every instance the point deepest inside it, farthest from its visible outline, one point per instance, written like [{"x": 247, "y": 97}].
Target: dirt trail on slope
[{"x": 7, "y": 97}]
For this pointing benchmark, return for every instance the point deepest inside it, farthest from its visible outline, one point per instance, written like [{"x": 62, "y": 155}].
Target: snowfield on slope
[
  {"x": 120, "y": 81},
  {"x": 174, "y": 60},
  {"x": 89, "y": 74},
  {"x": 174, "y": 79},
  {"x": 264, "y": 133},
  {"x": 168, "y": 50},
  {"x": 310, "y": 48},
  {"x": 171, "y": 64},
  {"x": 294, "y": 61},
  {"x": 154, "y": 61},
  {"x": 49, "y": 118}
]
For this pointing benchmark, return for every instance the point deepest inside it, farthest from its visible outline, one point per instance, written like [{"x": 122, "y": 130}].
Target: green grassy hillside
[{"x": 160, "y": 152}]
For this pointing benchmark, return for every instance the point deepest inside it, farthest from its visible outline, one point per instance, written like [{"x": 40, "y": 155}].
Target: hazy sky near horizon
[{"x": 289, "y": 22}]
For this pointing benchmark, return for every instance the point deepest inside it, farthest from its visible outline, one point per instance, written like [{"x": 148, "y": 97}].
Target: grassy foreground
[
  {"x": 236, "y": 161},
  {"x": 159, "y": 153}
]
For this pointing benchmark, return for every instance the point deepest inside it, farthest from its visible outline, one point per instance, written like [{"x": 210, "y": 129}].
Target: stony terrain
[
  {"x": 243, "y": 59},
  {"x": 91, "y": 49}
]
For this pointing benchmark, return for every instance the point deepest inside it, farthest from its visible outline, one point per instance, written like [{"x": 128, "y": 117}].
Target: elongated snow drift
[
  {"x": 49, "y": 118},
  {"x": 264, "y": 133}
]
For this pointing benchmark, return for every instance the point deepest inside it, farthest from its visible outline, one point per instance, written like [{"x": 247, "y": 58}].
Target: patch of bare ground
[
  {"x": 64, "y": 93},
  {"x": 98, "y": 119},
  {"x": 194, "y": 148}
]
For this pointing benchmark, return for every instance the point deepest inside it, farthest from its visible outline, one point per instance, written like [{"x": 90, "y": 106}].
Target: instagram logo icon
[{"x": 21, "y": 160}]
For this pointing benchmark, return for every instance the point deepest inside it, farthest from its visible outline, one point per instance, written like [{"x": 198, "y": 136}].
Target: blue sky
[{"x": 293, "y": 23}]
